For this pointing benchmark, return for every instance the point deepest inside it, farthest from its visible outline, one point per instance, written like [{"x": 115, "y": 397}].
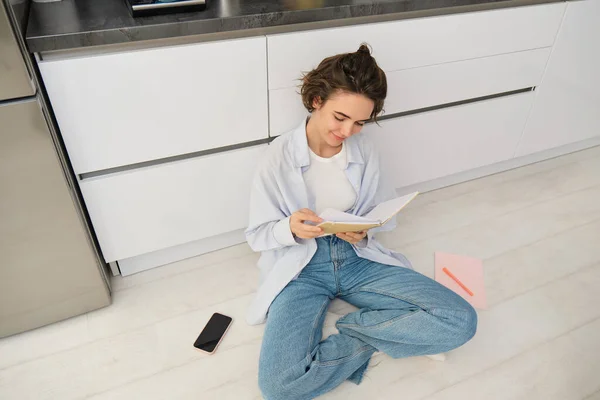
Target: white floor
[{"x": 537, "y": 229}]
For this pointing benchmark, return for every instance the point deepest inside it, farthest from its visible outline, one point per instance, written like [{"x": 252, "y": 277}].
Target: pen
[{"x": 451, "y": 275}]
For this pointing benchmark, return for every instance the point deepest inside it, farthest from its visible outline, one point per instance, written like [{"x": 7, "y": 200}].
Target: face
[{"x": 341, "y": 116}]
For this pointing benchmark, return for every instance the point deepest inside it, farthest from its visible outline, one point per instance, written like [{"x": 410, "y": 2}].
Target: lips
[{"x": 336, "y": 137}]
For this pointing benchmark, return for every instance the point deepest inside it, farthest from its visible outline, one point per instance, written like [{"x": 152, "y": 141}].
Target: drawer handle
[
  {"x": 165, "y": 160},
  {"x": 454, "y": 104}
]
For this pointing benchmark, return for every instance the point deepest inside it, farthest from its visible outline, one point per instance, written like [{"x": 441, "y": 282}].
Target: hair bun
[
  {"x": 364, "y": 49},
  {"x": 356, "y": 72}
]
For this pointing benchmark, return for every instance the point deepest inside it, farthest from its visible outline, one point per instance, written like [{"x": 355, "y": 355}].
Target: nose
[{"x": 347, "y": 130}]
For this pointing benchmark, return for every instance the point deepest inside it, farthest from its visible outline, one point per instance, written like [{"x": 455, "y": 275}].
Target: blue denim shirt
[{"x": 279, "y": 190}]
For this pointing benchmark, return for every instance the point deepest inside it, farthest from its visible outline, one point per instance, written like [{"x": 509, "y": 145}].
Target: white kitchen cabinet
[
  {"x": 417, "y": 42},
  {"x": 567, "y": 103},
  {"x": 153, "y": 208},
  {"x": 417, "y": 88},
  {"x": 430, "y": 145},
  {"x": 125, "y": 108}
]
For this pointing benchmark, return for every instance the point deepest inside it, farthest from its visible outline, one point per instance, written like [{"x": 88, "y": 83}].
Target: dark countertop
[{"x": 72, "y": 24}]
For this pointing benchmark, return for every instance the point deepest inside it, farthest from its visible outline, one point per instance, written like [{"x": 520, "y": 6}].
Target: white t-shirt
[{"x": 327, "y": 183}]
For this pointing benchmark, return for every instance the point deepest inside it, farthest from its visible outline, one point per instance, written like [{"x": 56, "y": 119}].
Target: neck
[{"x": 316, "y": 143}]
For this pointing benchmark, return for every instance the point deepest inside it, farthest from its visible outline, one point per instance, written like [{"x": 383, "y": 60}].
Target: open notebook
[{"x": 335, "y": 221}]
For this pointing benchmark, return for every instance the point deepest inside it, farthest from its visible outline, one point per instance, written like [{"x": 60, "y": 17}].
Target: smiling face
[
  {"x": 342, "y": 93},
  {"x": 335, "y": 120}
]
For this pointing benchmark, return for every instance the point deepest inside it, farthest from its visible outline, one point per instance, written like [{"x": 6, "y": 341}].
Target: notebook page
[
  {"x": 387, "y": 209},
  {"x": 332, "y": 215}
]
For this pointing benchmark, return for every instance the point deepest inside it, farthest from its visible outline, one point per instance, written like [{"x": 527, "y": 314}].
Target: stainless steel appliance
[
  {"x": 50, "y": 268},
  {"x": 140, "y": 8}
]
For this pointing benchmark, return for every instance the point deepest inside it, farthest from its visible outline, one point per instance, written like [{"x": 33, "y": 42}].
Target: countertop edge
[{"x": 260, "y": 24}]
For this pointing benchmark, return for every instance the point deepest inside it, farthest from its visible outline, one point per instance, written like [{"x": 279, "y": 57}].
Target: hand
[
  {"x": 302, "y": 230},
  {"x": 352, "y": 237}
]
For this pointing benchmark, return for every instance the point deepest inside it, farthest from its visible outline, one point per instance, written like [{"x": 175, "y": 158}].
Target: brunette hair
[{"x": 356, "y": 72}]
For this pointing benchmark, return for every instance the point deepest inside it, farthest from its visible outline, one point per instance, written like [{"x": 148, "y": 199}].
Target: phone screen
[{"x": 212, "y": 333}]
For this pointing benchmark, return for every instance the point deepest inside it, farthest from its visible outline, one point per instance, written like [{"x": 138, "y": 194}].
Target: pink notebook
[{"x": 462, "y": 275}]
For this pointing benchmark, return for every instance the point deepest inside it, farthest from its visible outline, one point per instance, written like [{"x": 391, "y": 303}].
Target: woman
[{"x": 326, "y": 163}]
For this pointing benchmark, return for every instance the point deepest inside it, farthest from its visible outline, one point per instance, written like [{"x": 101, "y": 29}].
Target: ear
[{"x": 317, "y": 102}]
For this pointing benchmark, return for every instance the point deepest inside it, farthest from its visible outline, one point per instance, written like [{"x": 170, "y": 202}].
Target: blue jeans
[{"x": 401, "y": 313}]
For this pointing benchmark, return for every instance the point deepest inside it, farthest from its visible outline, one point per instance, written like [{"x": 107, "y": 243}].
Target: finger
[
  {"x": 300, "y": 229},
  {"x": 309, "y": 228},
  {"x": 310, "y": 217},
  {"x": 308, "y": 211},
  {"x": 354, "y": 238},
  {"x": 352, "y": 235},
  {"x": 345, "y": 237}
]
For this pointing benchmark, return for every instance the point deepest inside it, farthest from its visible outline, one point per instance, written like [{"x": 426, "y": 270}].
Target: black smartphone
[{"x": 213, "y": 333}]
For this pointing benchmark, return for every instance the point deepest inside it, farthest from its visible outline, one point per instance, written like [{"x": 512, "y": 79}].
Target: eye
[
  {"x": 339, "y": 119},
  {"x": 360, "y": 123}
]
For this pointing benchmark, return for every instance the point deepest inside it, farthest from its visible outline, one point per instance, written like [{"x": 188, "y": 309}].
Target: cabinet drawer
[
  {"x": 567, "y": 104},
  {"x": 125, "y": 108},
  {"x": 140, "y": 211},
  {"x": 418, "y": 42},
  {"x": 431, "y": 145},
  {"x": 417, "y": 88}
]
